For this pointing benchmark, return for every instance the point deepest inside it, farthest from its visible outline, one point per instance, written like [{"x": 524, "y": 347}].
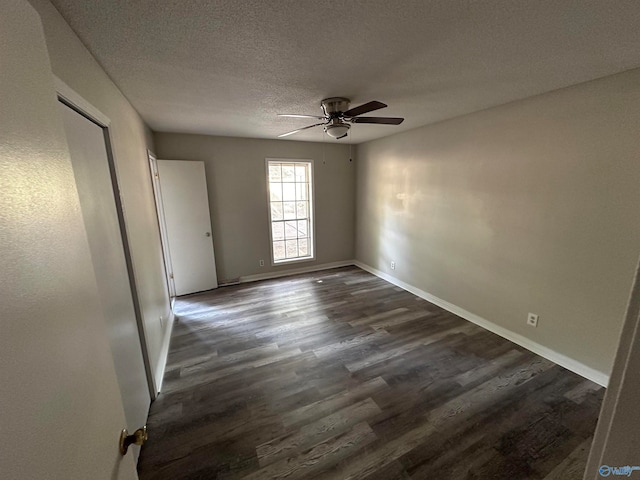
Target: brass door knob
[{"x": 137, "y": 438}]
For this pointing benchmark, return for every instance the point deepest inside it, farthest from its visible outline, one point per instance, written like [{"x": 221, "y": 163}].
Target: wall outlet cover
[{"x": 532, "y": 319}]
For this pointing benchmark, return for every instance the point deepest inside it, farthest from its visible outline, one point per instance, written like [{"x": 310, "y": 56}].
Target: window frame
[{"x": 312, "y": 217}]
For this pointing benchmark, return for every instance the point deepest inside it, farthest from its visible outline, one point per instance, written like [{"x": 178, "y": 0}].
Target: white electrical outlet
[
  {"x": 532, "y": 320},
  {"x": 393, "y": 265},
  {"x": 262, "y": 263}
]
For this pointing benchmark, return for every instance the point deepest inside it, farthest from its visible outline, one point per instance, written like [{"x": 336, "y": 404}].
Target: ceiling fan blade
[
  {"x": 365, "y": 108},
  {"x": 379, "y": 120},
  {"x": 299, "y": 130},
  {"x": 300, "y": 116}
]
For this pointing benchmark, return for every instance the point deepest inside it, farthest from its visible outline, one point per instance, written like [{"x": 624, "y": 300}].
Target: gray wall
[
  {"x": 236, "y": 179},
  {"x": 60, "y": 405},
  {"x": 529, "y": 207},
  {"x": 74, "y": 65}
]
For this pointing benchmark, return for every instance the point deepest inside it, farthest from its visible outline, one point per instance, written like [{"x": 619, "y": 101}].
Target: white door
[
  {"x": 186, "y": 212},
  {"x": 90, "y": 161}
]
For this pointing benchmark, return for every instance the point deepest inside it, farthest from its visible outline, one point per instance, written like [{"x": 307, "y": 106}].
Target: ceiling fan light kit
[
  {"x": 337, "y": 129},
  {"x": 338, "y": 117}
]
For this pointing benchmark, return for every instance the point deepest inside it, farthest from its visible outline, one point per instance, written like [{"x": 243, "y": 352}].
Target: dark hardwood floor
[{"x": 341, "y": 375}]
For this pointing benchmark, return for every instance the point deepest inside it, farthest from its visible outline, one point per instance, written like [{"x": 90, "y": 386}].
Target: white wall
[
  {"x": 60, "y": 407},
  {"x": 75, "y": 66},
  {"x": 528, "y": 207},
  {"x": 236, "y": 180}
]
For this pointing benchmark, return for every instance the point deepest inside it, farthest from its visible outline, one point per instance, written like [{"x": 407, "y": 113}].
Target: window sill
[{"x": 293, "y": 260}]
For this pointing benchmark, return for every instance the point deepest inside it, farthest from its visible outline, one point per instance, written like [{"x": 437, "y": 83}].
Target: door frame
[
  {"x": 73, "y": 100},
  {"x": 162, "y": 223},
  {"x": 616, "y": 427}
]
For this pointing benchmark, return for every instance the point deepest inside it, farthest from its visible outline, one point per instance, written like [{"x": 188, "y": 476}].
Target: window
[{"x": 290, "y": 209}]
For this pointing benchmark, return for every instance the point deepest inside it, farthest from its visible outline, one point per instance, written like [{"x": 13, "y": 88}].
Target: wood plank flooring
[{"x": 340, "y": 375}]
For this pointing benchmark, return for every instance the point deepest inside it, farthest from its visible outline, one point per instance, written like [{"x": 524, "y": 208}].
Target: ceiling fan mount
[{"x": 337, "y": 117}]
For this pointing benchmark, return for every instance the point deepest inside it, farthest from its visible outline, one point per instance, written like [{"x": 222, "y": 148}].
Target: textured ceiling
[{"x": 227, "y": 67}]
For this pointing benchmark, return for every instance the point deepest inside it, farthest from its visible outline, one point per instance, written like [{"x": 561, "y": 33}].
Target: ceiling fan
[{"x": 338, "y": 117}]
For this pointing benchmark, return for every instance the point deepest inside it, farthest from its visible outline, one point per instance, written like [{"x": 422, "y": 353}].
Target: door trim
[
  {"x": 162, "y": 225},
  {"x": 73, "y": 100}
]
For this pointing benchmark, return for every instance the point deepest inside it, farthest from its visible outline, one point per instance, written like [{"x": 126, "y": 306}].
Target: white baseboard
[
  {"x": 569, "y": 363},
  {"x": 164, "y": 349},
  {"x": 295, "y": 271}
]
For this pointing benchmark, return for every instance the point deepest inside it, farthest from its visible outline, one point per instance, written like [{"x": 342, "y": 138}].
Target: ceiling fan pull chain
[{"x": 324, "y": 161}]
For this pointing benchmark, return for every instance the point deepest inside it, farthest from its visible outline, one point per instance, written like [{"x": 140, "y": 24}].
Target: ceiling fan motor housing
[{"x": 333, "y": 107}]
